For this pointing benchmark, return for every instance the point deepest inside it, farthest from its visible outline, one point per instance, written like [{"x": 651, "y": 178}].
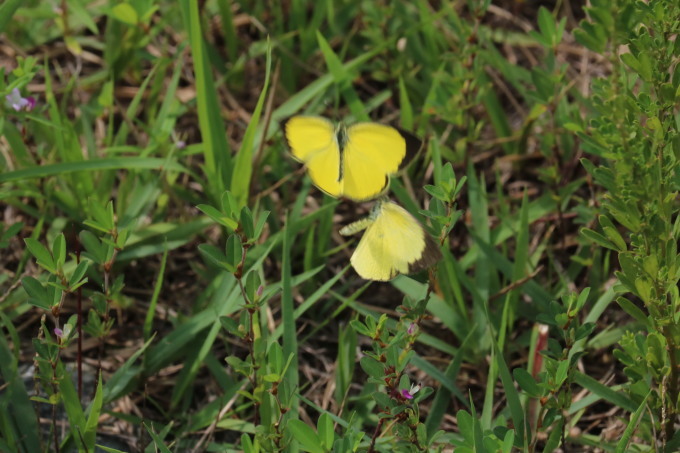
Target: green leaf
[
  {"x": 261, "y": 221},
  {"x": 36, "y": 292},
  {"x": 597, "y": 238},
  {"x": 630, "y": 308},
  {"x": 646, "y": 69},
  {"x": 247, "y": 224},
  {"x": 547, "y": 25},
  {"x": 94, "y": 247},
  {"x": 41, "y": 254},
  {"x": 124, "y": 12},
  {"x": 275, "y": 358},
  {"x": 59, "y": 250},
  {"x": 234, "y": 251},
  {"x": 253, "y": 284},
  {"x": 102, "y": 216},
  {"x": 325, "y": 429},
  {"x": 372, "y": 367},
  {"x": 612, "y": 233},
  {"x": 75, "y": 280},
  {"x": 593, "y": 36},
  {"x": 630, "y": 61},
  {"x": 247, "y": 444},
  {"x": 527, "y": 382},
  {"x": 304, "y": 434},
  {"x": 561, "y": 373},
  {"x": 215, "y": 256},
  {"x": 231, "y": 326},
  {"x": 217, "y": 216}
]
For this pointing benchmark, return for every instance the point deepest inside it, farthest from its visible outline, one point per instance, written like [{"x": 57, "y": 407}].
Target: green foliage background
[{"x": 150, "y": 190}]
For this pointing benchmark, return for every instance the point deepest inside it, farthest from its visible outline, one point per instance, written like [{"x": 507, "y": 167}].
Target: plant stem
[
  {"x": 669, "y": 428},
  {"x": 79, "y": 311},
  {"x": 376, "y": 433}
]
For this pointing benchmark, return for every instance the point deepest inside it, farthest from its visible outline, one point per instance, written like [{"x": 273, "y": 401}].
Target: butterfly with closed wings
[{"x": 394, "y": 243}]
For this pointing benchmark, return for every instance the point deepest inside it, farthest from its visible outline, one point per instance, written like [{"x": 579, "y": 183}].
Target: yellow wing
[
  {"x": 354, "y": 162},
  {"x": 371, "y": 153},
  {"x": 313, "y": 140},
  {"x": 394, "y": 243}
]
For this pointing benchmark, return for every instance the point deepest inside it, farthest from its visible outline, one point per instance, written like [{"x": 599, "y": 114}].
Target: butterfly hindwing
[{"x": 395, "y": 242}]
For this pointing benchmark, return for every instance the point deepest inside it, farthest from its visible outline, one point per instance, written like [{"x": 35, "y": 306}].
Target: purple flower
[
  {"x": 19, "y": 103},
  {"x": 181, "y": 144},
  {"x": 411, "y": 328},
  {"x": 58, "y": 332},
  {"x": 405, "y": 393},
  {"x": 31, "y": 103},
  {"x": 408, "y": 394}
]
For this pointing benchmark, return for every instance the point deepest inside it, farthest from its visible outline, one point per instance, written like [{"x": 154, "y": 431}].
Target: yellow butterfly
[
  {"x": 394, "y": 242},
  {"x": 354, "y": 161}
]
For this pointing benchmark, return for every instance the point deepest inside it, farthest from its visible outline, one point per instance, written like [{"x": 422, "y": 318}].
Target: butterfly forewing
[
  {"x": 312, "y": 140},
  {"x": 371, "y": 153}
]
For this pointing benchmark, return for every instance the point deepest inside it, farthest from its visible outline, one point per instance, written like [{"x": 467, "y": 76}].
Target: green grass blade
[
  {"x": 22, "y": 425},
  {"x": 131, "y": 111},
  {"x": 218, "y": 165},
  {"x": 617, "y": 398},
  {"x": 406, "y": 107},
  {"x": 74, "y": 411},
  {"x": 343, "y": 78},
  {"x": 151, "y": 312},
  {"x": 290, "y": 345},
  {"x": 228, "y": 28},
  {"x": 622, "y": 446},
  {"x": 7, "y": 10},
  {"x": 157, "y": 441},
  {"x": 243, "y": 166},
  {"x": 119, "y": 383},
  {"x": 113, "y": 163},
  {"x": 90, "y": 433}
]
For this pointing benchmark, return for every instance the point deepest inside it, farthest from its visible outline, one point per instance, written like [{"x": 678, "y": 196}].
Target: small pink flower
[
  {"x": 412, "y": 328},
  {"x": 181, "y": 144},
  {"x": 260, "y": 290},
  {"x": 19, "y": 103},
  {"x": 409, "y": 394},
  {"x": 58, "y": 332}
]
